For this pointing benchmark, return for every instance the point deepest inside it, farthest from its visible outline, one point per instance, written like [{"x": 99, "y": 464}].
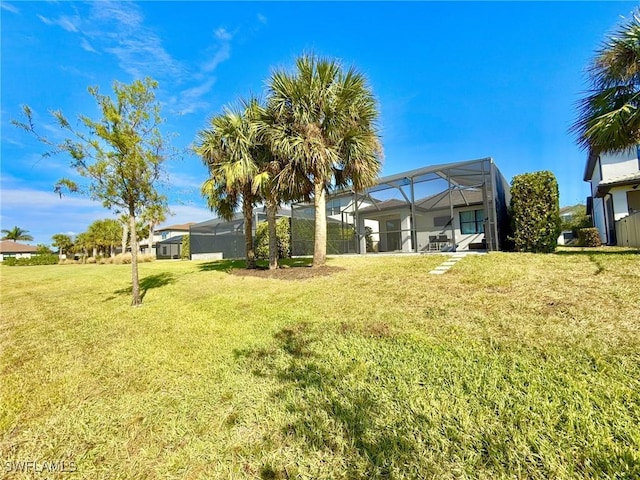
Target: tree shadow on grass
[
  {"x": 327, "y": 411},
  {"x": 229, "y": 265},
  {"x": 147, "y": 283},
  {"x": 598, "y": 251}
]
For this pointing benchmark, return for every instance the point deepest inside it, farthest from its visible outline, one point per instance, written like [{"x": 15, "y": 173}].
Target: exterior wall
[
  {"x": 620, "y": 205},
  {"x": 207, "y": 256},
  {"x": 598, "y": 215},
  {"x": 617, "y": 165},
  {"x": 14, "y": 255},
  {"x": 426, "y": 228}
]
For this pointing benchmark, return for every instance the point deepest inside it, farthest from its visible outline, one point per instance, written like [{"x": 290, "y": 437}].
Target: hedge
[{"x": 535, "y": 212}]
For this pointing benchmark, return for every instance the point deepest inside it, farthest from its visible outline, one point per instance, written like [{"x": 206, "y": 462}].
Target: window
[
  {"x": 164, "y": 251},
  {"x": 441, "y": 221},
  {"x": 633, "y": 201},
  {"x": 165, "y": 235},
  {"x": 472, "y": 221}
]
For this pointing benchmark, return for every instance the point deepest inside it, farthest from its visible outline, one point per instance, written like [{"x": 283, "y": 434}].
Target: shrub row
[
  {"x": 117, "y": 260},
  {"x": 33, "y": 260}
]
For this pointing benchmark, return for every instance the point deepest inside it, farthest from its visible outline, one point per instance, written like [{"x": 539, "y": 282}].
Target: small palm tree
[
  {"x": 227, "y": 149},
  {"x": 16, "y": 233},
  {"x": 609, "y": 116},
  {"x": 328, "y": 129}
]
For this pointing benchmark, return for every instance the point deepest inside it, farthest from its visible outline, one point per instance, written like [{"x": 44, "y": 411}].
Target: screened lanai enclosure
[
  {"x": 218, "y": 238},
  {"x": 450, "y": 207}
]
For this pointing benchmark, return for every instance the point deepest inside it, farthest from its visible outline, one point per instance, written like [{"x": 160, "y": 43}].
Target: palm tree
[
  {"x": 154, "y": 215},
  {"x": 328, "y": 130},
  {"x": 16, "y": 233},
  {"x": 609, "y": 116},
  {"x": 279, "y": 180},
  {"x": 62, "y": 242},
  {"x": 227, "y": 149}
]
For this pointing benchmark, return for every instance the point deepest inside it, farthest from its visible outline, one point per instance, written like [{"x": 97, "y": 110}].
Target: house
[
  {"x": 162, "y": 234},
  {"x": 448, "y": 207},
  {"x": 11, "y": 249},
  {"x": 615, "y": 190},
  {"x": 171, "y": 248}
]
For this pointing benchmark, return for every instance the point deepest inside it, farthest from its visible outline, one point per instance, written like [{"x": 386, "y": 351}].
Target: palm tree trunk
[
  {"x": 247, "y": 210},
  {"x": 272, "y": 210},
  {"x": 151, "y": 225},
  {"x": 135, "y": 284},
  {"x": 125, "y": 235},
  {"x": 320, "y": 238}
]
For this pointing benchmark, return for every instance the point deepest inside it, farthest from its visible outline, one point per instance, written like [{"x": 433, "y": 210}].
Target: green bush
[
  {"x": 589, "y": 237},
  {"x": 283, "y": 234},
  {"x": 535, "y": 212},
  {"x": 34, "y": 260},
  {"x": 186, "y": 248}
]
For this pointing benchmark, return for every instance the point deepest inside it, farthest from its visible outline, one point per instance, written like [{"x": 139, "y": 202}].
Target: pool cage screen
[{"x": 450, "y": 207}]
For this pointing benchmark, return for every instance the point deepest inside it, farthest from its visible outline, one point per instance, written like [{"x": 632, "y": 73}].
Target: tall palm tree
[
  {"x": 154, "y": 215},
  {"x": 609, "y": 116},
  {"x": 328, "y": 121},
  {"x": 16, "y": 233},
  {"x": 227, "y": 149}
]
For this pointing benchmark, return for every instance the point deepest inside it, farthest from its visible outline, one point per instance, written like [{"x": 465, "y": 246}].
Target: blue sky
[{"x": 455, "y": 81}]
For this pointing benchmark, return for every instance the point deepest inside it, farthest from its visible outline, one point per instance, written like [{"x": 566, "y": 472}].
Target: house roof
[
  {"x": 9, "y": 246},
  {"x": 588, "y": 168},
  {"x": 380, "y": 205},
  {"x": 605, "y": 186},
  {"x": 459, "y": 198},
  {"x": 172, "y": 240},
  {"x": 179, "y": 227},
  {"x": 439, "y": 201}
]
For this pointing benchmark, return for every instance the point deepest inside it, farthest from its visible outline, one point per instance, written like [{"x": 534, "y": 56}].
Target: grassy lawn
[{"x": 507, "y": 366}]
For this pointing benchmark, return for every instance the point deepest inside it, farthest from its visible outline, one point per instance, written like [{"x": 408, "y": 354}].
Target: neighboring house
[
  {"x": 217, "y": 238},
  {"x": 171, "y": 248},
  {"x": 11, "y": 249},
  {"x": 566, "y": 215},
  {"x": 615, "y": 190},
  {"x": 161, "y": 234}
]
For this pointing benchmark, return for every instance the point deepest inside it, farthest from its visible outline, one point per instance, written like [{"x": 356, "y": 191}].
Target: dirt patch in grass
[{"x": 288, "y": 273}]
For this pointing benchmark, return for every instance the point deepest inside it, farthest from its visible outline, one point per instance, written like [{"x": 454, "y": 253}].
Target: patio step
[{"x": 446, "y": 265}]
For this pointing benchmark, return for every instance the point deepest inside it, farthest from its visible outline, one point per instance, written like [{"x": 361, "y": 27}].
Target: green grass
[{"x": 507, "y": 366}]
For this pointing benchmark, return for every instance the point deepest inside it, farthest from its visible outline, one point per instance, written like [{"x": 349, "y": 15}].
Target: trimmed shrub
[
  {"x": 185, "y": 252},
  {"x": 34, "y": 260},
  {"x": 589, "y": 237},
  {"x": 283, "y": 234},
  {"x": 90, "y": 260},
  {"x": 535, "y": 212}
]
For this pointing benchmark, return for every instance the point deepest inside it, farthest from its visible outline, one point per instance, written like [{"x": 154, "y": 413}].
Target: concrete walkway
[{"x": 451, "y": 261}]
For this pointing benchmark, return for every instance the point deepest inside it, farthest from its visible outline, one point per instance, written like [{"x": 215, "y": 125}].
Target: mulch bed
[{"x": 291, "y": 273}]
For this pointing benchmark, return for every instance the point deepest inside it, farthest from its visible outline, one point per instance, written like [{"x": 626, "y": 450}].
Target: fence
[{"x": 628, "y": 231}]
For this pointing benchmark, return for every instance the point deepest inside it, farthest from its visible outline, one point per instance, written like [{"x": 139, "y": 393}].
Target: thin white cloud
[
  {"x": 84, "y": 43},
  {"x": 120, "y": 31},
  {"x": 221, "y": 53},
  {"x": 191, "y": 100},
  {"x": 188, "y": 213},
  {"x": 70, "y": 24},
  {"x": 222, "y": 34},
  {"x": 9, "y": 8},
  {"x": 262, "y": 19},
  {"x": 46, "y": 20},
  {"x": 44, "y": 213}
]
